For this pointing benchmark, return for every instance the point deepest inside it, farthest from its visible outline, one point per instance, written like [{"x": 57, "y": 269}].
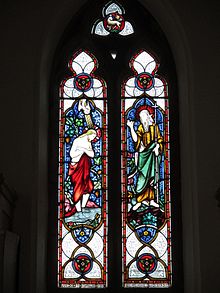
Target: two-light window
[{"x": 83, "y": 173}]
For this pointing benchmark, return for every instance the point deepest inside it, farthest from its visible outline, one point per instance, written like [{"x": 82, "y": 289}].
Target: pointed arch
[{"x": 173, "y": 29}]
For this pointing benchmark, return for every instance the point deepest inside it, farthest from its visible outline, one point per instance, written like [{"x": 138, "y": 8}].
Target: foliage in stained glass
[
  {"x": 113, "y": 21},
  {"x": 82, "y": 226},
  {"x": 145, "y": 176}
]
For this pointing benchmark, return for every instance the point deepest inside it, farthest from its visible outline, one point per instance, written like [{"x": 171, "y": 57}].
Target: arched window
[{"x": 114, "y": 142}]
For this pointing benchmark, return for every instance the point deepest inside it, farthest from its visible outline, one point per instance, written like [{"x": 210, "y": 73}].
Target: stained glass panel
[
  {"x": 113, "y": 21},
  {"x": 146, "y": 209},
  {"x": 82, "y": 199}
]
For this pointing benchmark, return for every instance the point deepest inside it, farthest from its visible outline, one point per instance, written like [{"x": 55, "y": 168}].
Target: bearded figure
[{"x": 149, "y": 147}]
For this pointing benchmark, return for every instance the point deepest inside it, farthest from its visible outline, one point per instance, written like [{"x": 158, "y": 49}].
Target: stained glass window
[
  {"x": 145, "y": 177},
  {"x": 82, "y": 223},
  {"x": 112, "y": 152},
  {"x": 113, "y": 21}
]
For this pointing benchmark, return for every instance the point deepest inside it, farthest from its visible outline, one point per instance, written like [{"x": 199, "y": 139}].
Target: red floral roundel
[
  {"x": 82, "y": 264},
  {"x": 147, "y": 263},
  {"x": 83, "y": 82},
  {"x": 144, "y": 81}
]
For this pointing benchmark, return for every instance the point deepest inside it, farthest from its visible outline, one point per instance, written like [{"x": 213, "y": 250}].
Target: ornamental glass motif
[
  {"x": 82, "y": 198},
  {"x": 146, "y": 253},
  {"x": 113, "y": 22}
]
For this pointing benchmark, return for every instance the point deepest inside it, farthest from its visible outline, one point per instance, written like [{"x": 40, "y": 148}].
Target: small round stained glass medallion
[
  {"x": 83, "y": 82},
  {"x": 144, "y": 81},
  {"x": 114, "y": 22},
  {"x": 147, "y": 263},
  {"x": 82, "y": 264}
]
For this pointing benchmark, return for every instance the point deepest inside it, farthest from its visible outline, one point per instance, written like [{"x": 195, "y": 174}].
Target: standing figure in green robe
[{"x": 148, "y": 145}]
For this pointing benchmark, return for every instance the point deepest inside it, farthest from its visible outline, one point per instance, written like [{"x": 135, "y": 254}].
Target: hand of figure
[
  {"x": 130, "y": 123},
  {"x": 156, "y": 149}
]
